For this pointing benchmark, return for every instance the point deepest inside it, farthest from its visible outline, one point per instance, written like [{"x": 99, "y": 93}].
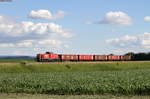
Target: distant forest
[{"x": 139, "y": 56}]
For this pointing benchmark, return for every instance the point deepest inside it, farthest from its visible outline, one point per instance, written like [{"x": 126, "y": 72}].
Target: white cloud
[
  {"x": 117, "y": 18},
  {"x": 135, "y": 42},
  {"x": 25, "y": 43},
  {"x": 88, "y": 22},
  {"x": 51, "y": 42},
  {"x": 147, "y": 18},
  {"x": 46, "y": 14},
  {"x": 6, "y": 19},
  {"x": 19, "y": 52},
  {"x": 31, "y": 43},
  {"x": 7, "y": 45},
  {"x": 27, "y": 34},
  {"x": 59, "y": 14},
  {"x": 27, "y": 27},
  {"x": 66, "y": 46},
  {"x": 121, "y": 51}
]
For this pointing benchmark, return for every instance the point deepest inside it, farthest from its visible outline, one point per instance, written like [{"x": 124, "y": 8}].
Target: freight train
[{"x": 52, "y": 57}]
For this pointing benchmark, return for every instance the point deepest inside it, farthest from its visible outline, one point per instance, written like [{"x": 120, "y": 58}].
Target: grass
[
  {"x": 72, "y": 67},
  {"x": 41, "y": 96},
  {"x": 131, "y": 82}
]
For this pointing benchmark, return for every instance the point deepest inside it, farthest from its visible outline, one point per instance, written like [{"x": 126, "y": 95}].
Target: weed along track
[{"x": 71, "y": 67}]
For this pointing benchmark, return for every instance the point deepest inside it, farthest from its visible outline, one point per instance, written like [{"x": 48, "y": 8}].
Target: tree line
[{"x": 139, "y": 56}]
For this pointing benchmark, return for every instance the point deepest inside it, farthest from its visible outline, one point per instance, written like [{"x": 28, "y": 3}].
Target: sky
[{"x": 28, "y": 27}]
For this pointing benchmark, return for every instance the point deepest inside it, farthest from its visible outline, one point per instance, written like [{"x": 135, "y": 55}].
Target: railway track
[{"x": 70, "y": 62}]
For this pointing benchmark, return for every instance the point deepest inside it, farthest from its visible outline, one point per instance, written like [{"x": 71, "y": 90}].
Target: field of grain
[
  {"x": 113, "y": 78},
  {"x": 134, "y": 82}
]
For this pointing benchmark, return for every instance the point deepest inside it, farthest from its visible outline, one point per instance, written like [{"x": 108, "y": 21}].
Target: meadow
[{"x": 22, "y": 67}]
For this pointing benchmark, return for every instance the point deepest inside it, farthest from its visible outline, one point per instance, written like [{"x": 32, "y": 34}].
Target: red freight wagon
[
  {"x": 113, "y": 57},
  {"x": 109, "y": 57},
  {"x": 116, "y": 57},
  {"x": 68, "y": 57},
  {"x": 86, "y": 57},
  {"x": 122, "y": 58},
  {"x": 126, "y": 58},
  {"x": 100, "y": 57}
]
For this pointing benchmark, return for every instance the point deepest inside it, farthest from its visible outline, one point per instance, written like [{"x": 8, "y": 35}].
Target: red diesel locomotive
[{"x": 51, "y": 57}]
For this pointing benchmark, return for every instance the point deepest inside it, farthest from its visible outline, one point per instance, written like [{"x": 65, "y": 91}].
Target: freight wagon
[
  {"x": 126, "y": 58},
  {"x": 100, "y": 57},
  {"x": 86, "y": 57},
  {"x": 113, "y": 58},
  {"x": 68, "y": 57},
  {"x": 51, "y": 57}
]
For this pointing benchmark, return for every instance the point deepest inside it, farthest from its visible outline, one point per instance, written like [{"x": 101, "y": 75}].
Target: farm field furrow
[{"x": 46, "y": 96}]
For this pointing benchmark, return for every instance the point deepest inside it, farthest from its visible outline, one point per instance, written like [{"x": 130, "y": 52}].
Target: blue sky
[{"x": 81, "y": 26}]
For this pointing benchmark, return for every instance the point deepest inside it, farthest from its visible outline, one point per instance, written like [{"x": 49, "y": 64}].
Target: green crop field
[
  {"x": 72, "y": 67},
  {"x": 112, "y": 82},
  {"x": 113, "y": 78}
]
